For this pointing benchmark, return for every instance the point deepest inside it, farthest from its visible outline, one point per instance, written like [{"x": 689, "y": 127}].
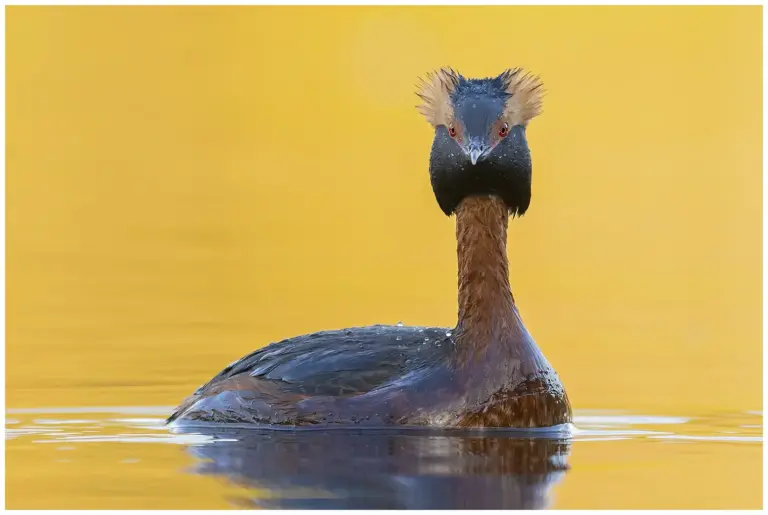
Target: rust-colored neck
[{"x": 486, "y": 307}]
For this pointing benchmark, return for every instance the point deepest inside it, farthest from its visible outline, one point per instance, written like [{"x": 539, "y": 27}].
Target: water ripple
[{"x": 364, "y": 469}]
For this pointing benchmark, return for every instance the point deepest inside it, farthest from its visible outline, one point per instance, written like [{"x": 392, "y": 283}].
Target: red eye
[
  {"x": 504, "y": 130},
  {"x": 452, "y": 131}
]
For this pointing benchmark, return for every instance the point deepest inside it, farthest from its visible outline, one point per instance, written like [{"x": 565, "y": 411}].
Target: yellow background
[{"x": 187, "y": 184}]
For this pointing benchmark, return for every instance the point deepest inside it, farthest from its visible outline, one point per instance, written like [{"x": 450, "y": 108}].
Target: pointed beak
[
  {"x": 475, "y": 151},
  {"x": 474, "y": 155}
]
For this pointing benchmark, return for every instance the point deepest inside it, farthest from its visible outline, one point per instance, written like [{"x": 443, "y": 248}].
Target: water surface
[{"x": 121, "y": 457}]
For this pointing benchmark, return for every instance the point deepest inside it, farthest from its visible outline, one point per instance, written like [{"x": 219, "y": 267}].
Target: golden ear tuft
[
  {"x": 526, "y": 94},
  {"x": 435, "y": 92}
]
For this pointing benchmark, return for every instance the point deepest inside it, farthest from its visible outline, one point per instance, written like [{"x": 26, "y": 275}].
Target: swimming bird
[{"x": 487, "y": 371}]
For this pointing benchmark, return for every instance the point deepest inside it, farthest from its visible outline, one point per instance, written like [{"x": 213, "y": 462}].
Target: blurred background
[{"x": 185, "y": 185}]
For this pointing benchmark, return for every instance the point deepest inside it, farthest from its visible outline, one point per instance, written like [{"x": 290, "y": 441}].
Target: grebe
[{"x": 485, "y": 372}]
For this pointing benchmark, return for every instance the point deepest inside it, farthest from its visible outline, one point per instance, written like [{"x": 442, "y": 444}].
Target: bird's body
[
  {"x": 328, "y": 369},
  {"x": 368, "y": 376},
  {"x": 486, "y": 371}
]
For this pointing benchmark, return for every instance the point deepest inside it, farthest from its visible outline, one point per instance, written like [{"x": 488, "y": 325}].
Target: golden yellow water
[{"x": 185, "y": 184}]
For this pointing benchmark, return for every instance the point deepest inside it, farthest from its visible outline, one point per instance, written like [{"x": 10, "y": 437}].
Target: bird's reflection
[{"x": 386, "y": 470}]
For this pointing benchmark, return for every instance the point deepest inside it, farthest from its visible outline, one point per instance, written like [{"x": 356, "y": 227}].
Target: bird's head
[{"x": 480, "y": 146}]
